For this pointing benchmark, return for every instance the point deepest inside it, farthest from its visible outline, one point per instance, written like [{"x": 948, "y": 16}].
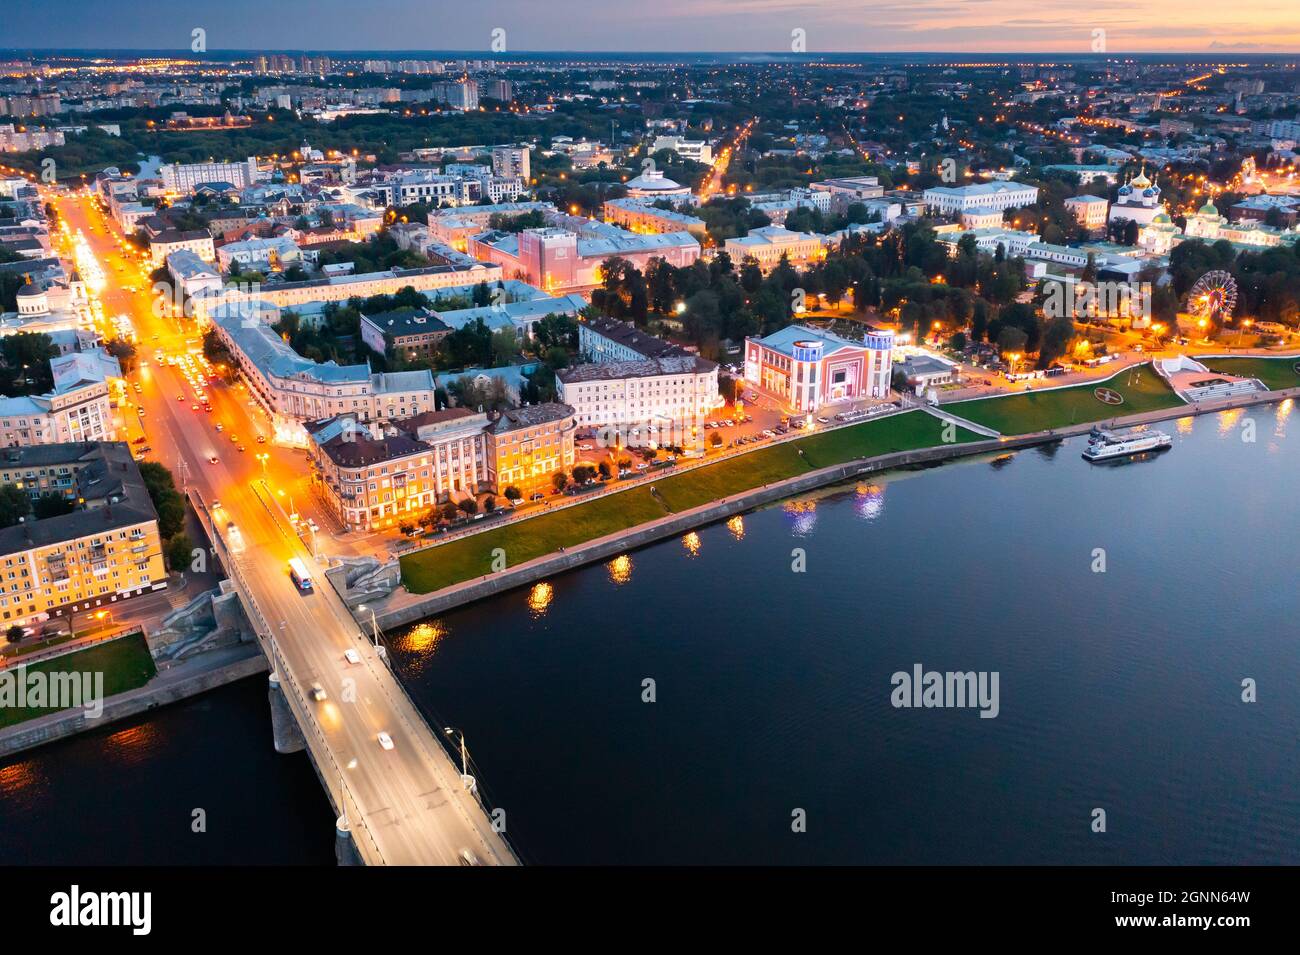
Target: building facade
[
  {"x": 996, "y": 196},
  {"x": 807, "y": 368},
  {"x": 379, "y": 475},
  {"x": 294, "y": 390},
  {"x": 105, "y": 551},
  {"x": 670, "y": 397}
]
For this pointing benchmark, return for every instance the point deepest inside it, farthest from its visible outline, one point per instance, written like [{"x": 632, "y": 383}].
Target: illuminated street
[{"x": 408, "y": 805}]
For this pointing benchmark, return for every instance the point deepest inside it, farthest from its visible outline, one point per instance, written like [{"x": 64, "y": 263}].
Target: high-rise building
[{"x": 511, "y": 161}]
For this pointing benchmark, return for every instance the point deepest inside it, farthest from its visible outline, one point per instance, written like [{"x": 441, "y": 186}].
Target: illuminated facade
[
  {"x": 379, "y": 475},
  {"x": 105, "y": 551},
  {"x": 807, "y": 368}
]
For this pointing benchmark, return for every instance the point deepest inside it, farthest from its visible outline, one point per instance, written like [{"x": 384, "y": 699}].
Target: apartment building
[
  {"x": 339, "y": 288},
  {"x": 106, "y": 551},
  {"x": 78, "y": 409},
  {"x": 409, "y": 332},
  {"x": 604, "y": 339},
  {"x": 294, "y": 390},
  {"x": 510, "y": 162},
  {"x": 198, "y": 241},
  {"x": 378, "y": 475},
  {"x": 668, "y": 396},
  {"x": 181, "y": 179}
]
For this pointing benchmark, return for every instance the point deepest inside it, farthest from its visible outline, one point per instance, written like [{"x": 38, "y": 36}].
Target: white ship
[{"x": 1106, "y": 445}]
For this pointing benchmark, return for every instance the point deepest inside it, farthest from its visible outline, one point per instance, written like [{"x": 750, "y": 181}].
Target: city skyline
[{"x": 723, "y": 26}]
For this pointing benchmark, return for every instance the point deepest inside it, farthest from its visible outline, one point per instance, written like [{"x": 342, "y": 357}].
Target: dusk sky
[{"x": 1210, "y": 26}]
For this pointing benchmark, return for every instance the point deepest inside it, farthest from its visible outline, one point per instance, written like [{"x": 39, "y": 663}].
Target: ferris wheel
[{"x": 1214, "y": 296}]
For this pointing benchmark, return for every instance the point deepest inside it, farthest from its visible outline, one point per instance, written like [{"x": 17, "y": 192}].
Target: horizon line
[{"x": 479, "y": 54}]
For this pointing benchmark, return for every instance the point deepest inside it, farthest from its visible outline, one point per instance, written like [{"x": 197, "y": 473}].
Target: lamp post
[
  {"x": 262, "y": 459},
  {"x": 470, "y": 782},
  {"x": 380, "y": 649}
]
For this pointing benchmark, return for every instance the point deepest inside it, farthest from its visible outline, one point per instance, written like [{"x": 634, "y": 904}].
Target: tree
[
  {"x": 14, "y": 503},
  {"x": 167, "y": 501},
  {"x": 513, "y": 493},
  {"x": 26, "y": 358},
  {"x": 559, "y": 480},
  {"x": 14, "y": 633},
  {"x": 50, "y": 504},
  {"x": 123, "y": 351},
  {"x": 179, "y": 552},
  {"x": 469, "y": 506},
  {"x": 450, "y": 511},
  {"x": 1011, "y": 339},
  {"x": 489, "y": 504},
  {"x": 604, "y": 469}
]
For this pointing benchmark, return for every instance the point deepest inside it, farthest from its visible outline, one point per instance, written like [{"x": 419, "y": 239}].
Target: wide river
[{"x": 726, "y": 697}]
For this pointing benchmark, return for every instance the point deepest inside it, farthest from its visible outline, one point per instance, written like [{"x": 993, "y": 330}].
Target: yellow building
[
  {"x": 105, "y": 551},
  {"x": 528, "y": 445}
]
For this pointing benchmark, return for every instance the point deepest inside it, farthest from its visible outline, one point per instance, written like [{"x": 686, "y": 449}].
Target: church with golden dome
[{"x": 1139, "y": 200}]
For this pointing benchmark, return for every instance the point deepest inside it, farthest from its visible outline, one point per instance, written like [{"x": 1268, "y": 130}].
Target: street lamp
[
  {"x": 470, "y": 783},
  {"x": 263, "y": 458},
  {"x": 374, "y": 626}
]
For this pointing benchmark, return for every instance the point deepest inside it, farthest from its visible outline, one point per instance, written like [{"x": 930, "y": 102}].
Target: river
[{"x": 1120, "y": 607}]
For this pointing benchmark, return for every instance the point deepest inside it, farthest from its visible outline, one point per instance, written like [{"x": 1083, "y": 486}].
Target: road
[{"x": 407, "y": 805}]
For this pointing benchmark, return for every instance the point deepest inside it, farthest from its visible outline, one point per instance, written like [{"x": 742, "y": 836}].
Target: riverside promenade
[{"x": 404, "y": 608}]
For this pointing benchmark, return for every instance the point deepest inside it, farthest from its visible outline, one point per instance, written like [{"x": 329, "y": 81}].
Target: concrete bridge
[{"x": 408, "y": 805}]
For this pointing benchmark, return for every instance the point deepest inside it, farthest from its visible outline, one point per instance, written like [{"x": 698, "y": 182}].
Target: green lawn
[
  {"x": 1276, "y": 373},
  {"x": 1040, "y": 410},
  {"x": 900, "y": 432},
  {"x": 125, "y": 663},
  {"x": 447, "y": 564},
  {"x": 681, "y": 492}
]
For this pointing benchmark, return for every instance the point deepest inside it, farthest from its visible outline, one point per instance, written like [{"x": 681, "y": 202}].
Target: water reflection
[
  {"x": 737, "y": 527},
  {"x": 19, "y": 776},
  {"x": 1280, "y": 416},
  {"x": 1185, "y": 424},
  {"x": 1228, "y": 419},
  {"x": 423, "y": 637},
  {"x": 869, "y": 501},
  {"x": 539, "y": 599},
  {"x": 803, "y": 516},
  {"x": 134, "y": 744},
  {"x": 620, "y": 569},
  {"x": 692, "y": 544}
]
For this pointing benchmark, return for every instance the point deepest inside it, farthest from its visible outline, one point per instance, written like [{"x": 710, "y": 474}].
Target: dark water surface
[{"x": 1119, "y": 690}]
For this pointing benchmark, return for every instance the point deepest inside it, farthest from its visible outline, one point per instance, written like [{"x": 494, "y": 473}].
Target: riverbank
[
  {"x": 178, "y": 682},
  {"x": 406, "y": 607}
]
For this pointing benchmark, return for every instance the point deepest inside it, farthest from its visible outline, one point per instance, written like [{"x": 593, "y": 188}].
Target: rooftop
[
  {"x": 649, "y": 368},
  {"x": 108, "y": 480}
]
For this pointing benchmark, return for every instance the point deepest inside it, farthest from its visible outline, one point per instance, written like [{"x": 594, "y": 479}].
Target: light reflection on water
[
  {"x": 420, "y": 644},
  {"x": 737, "y": 527},
  {"x": 539, "y": 599},
  {"x": 803, "y": 517},
  {"x": 692, "y": 543},
  {"x": 869, "y": 501},
  {"x": 1228, "y": 420},
  {"x": 620, "y": 569}
]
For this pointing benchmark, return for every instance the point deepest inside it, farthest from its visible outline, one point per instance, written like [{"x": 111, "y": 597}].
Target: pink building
[{"x": 559, "y": 260}]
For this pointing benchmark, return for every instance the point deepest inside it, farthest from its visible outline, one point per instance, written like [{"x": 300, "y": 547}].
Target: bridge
[{"x": 408, "y": 805}]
